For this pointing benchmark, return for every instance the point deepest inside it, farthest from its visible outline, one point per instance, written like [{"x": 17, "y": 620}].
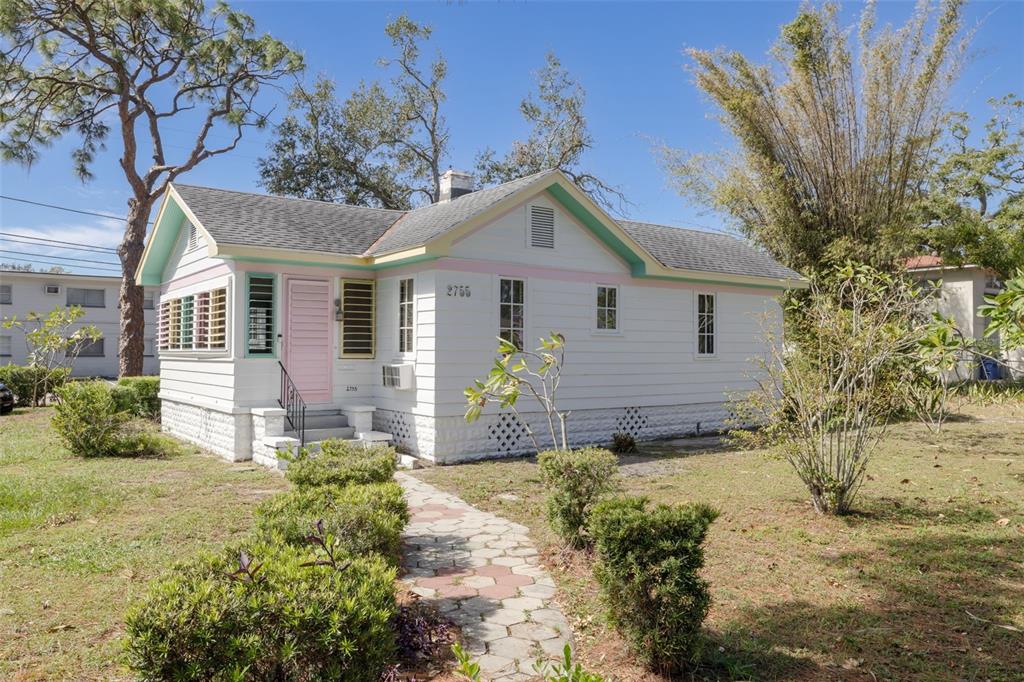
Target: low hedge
[
  {"x": 32, "y": 384},
  {"x": 648, "y": 563},
  {"x": 91, "y": 423},
  {"x": 362, "y": 519},
  {"x": 575, "y": 480},
  {"x": 265, "y": 614},
  {"x": 341, "y": 463},
  {"x": 138, "y": 396}
]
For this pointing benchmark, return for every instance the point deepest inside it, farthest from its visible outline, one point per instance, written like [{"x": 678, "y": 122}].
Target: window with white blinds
[
  {"x": 87, "y": 298},
  {"x": 195, "y": 322},
  {"x": 5, "y": 346},
  {"x": 405, "y": 316},
  {"x": 357, "y": 318},
  {"x": 5, "y": 293},
  {"x": 542, "y": 227}
]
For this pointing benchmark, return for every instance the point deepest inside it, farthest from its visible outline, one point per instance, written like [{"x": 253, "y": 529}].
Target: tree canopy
[
  {"x": 832, "y": 143},
  {"x": 131, "y": 68}
]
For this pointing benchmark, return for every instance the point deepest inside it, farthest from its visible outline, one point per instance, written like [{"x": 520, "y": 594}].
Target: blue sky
[{"x": 628, "y": 56}]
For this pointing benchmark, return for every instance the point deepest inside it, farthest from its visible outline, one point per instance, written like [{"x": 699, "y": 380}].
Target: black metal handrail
[{"x": 293, "y": 404}]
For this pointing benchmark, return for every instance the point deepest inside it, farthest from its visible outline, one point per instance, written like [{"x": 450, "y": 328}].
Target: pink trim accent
[
  {"x": 196, "y": 278},
  {"x": 526, "y": 271},
  {"x": 306, "y": 270}
]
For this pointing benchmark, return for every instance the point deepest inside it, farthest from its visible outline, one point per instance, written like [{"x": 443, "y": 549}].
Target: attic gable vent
[
  {"x": 193, "y": 238},
  {"x": 542, "y": 227}
]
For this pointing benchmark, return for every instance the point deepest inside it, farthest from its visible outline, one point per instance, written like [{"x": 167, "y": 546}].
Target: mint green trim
[
  {"x": 274, "y": 305},
  {"x": 162, "y": 241},
  {"x": 716, "y": 282},
  {"x": 336, "y": 266},
  {"x": 637, "y": 266}
]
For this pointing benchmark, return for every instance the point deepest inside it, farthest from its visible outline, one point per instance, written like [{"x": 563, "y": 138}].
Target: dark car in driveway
[{"x": 6, "y": 399}]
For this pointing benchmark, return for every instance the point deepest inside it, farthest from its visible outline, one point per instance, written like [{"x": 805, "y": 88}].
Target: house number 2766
[{"x": 460, "y": 290}]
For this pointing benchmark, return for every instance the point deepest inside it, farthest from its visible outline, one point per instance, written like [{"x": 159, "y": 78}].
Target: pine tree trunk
[{"x": 131, "y": 345}]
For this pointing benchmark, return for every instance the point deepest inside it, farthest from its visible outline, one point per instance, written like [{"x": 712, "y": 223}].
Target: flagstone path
[{"x": 483, "y": 573}]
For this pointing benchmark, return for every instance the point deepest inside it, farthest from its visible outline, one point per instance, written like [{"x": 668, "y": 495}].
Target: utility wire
[
  {"x": 24, "y": 239},
  {"x": 65, "y": 208},
  {"x": 40, "y": 260},
  {"x": 46, "y": 255}
]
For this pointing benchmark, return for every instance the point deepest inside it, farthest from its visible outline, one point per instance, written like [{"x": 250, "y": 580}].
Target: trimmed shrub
[
  {"x": 342, "y": 462},
  {"x": 89, "y": 420},
  {"x": 575, "y": 480},
  {"x": 648, "y": 561},
  {"x": 265, "y": 613},
  {"x": 28, "y": 381},
  {"x": 363, "y": 519},
  {"x": 138, "y": 396}
]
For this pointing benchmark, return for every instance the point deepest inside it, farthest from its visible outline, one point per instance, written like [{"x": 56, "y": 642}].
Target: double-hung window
[
  {"x": 511, "y": 311},
  {"x": 87, "y": 298},
  {"x": 607, "y": 308},
  {"x": 406, "y": 314},
  {"x": 5, "y": 346},
  {"x": 197, "y": 322},
  {"x": 259, "y": 295},
  {"x": 5, "y": 293},
  {"x": 706, "y": 324},
  {"x": 91, "y": 349},
  {"x": 358, "y": 309}
]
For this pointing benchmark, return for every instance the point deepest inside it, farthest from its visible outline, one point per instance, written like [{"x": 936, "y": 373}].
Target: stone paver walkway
[{"x": 483, "y": 573}]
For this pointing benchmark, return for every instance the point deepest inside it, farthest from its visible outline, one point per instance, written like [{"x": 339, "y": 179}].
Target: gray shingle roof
[
  {"x": 423, "y": 224},
  {"x": 676, "y": 247},
  {"x": 286, "y": 223},
  {"x": 241, "y": 218}
]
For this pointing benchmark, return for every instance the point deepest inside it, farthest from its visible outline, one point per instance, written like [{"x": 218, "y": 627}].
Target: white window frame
[
  {"x": 6, "y": 340},
  {"x": 67, "y": 295},
  {"x": 618, "y": 309},
  {"x": 411, "y": 327},
  {"x": 198, "y": 314},
  {"x": 91, "y": 344},
  {"x": 524, "y": 306},
  {"x": 6, "y": 294},
  {"x": 715, "y": 319}
]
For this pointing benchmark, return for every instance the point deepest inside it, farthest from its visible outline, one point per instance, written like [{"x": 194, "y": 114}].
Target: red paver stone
[
  {"x": 514, "y": 580},
  {"x": 498, "y": 591},
  {"x": 493, "y": 571},
  {"x": 456, "y": 591}
]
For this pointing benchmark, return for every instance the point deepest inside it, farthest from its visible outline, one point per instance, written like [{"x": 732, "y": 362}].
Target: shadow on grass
[{"x": 938, "y": 596}]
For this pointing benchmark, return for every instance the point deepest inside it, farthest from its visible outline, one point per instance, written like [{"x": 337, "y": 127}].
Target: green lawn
[
  {"x": 79, "y": 539},
  {"x": 901, "y": 590}
]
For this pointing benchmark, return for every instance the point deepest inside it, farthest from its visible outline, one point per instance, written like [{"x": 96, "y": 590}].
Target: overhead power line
[
  {"x": 26, "y": 239},
  {"x": 79, "y": 267},
  {"x": 65, "y": 208},
  {"x": 69, "y": 258}
]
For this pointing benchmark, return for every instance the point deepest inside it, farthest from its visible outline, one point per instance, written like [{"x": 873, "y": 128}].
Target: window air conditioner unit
[
  {"x": 51, "y": 289},
  {"x": 397, "y": 376}
]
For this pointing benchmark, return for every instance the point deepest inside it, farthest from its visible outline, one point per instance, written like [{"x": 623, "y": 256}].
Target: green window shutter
[{"x": 261, "y": 304}]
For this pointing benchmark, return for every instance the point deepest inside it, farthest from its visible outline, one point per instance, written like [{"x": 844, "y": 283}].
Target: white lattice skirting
[{"x": 447, "y": 440}]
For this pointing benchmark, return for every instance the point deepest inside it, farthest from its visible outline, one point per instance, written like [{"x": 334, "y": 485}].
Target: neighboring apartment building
[
  {"x": 24, "y": 292},
  {"x": 963, "y": 291}
]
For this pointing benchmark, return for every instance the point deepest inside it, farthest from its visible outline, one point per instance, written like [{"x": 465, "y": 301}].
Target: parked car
[{"x": 6, "y": 399}]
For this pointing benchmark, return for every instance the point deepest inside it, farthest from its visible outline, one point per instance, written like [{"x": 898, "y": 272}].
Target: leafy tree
[
  {"x": 832, "y": 145},
  {"x": 512, "y": 375},
  {"x": 382, "y": 146},
  {"x": 54, "y": 341},
  {"x": 324, "y": 150},
  {"x": 1005, "y": 312},
  {"x": 558, "y": 138},
  {"x": 826, "y": 403},
  {"x": 135, "y": 67},
  {"x": 973, "y": 210}
]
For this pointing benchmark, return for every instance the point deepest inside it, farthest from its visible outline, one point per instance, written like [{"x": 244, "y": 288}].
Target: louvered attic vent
[{"x": 542, "y": 227}]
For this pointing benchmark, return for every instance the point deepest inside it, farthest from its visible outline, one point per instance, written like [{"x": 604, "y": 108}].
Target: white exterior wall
[{"x": 28, "y": 295}]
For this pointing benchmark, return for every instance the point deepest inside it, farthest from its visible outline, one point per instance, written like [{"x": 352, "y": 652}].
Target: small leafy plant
[
  {"x": 623, "y": 442},
  {"x": 342, "y": 462},
  {"x": 575, "y": 481},
  {"x": 565, "y": 670}
]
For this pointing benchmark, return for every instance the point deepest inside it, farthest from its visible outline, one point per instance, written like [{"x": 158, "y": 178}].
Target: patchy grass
[
  {"x": 79, "y": 540},
  {"x": 913, "y": 586}
]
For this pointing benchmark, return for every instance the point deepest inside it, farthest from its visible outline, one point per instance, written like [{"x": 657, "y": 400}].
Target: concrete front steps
[{"x": 272, "y": 433}]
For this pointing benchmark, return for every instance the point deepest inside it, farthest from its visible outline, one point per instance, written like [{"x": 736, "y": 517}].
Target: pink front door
[{"x": 307, "y": 337}]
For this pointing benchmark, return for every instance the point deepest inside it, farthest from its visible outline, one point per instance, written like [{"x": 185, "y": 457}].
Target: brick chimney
[{"x": 454, "y": 184}]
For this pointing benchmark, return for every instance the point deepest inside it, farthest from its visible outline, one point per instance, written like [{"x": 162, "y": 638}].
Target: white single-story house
[
  {"x": 962, "y": 292},
  {"x": 24, "y": 292},
  {"x": 375, "y": 320}
]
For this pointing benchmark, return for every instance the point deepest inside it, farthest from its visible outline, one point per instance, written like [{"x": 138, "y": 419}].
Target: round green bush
[
  {"x": 363, "y": 519},
  {"x": 575, "y": 480},
  {"x": 138, "y": 395},
  {"x": 648, "y": 563},
  {"x": 281, "y": 620},
  {"x": 88, "y": 420},
  {"x": 342, "y": 462}
]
